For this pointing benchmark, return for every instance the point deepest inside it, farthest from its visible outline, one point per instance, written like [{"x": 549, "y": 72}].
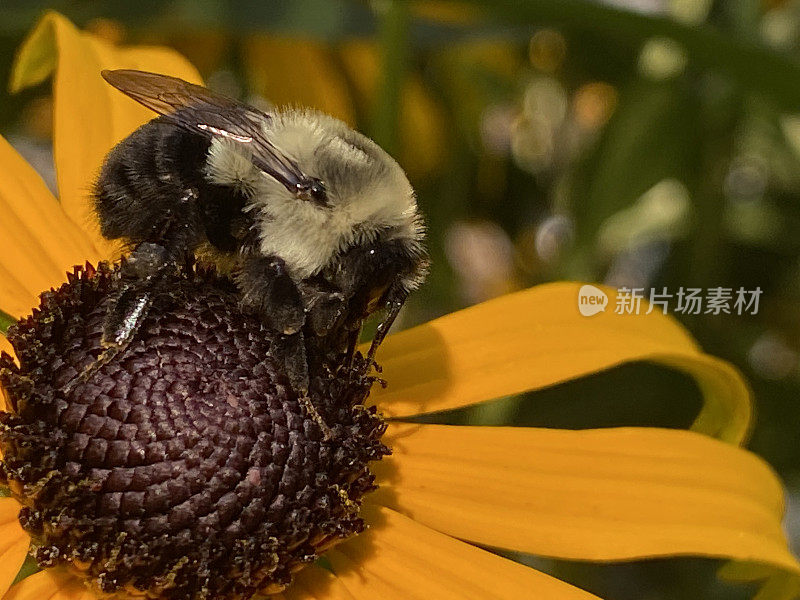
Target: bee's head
[
  {"x": 344, "y": 171},
  {"x": 351, "y": 192}
]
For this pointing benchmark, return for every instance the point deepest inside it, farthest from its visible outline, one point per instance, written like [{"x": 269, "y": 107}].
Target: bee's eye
[
  {"x": 313, "y": 190},
  {"x": 318, "y": 191}
]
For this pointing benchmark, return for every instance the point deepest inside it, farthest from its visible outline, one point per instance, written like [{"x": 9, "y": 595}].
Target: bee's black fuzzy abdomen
[{"x": 152, "y": 188}]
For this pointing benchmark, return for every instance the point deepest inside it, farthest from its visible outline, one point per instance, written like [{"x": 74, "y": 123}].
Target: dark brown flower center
[{"x": 185, "y": 467}]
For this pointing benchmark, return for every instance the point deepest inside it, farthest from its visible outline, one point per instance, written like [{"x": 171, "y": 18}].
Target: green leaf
[
  {"x": 29, "y": 567},
  {"x": 6, "y": 321}
]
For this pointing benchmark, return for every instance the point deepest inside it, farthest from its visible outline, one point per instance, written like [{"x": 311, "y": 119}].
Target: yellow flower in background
[
  {"x": 341, "y": 83},
  {"x": 602, "y": 495}
]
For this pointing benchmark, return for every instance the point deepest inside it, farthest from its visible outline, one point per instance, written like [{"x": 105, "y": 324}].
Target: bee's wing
[{"x": 201, "y": 111}]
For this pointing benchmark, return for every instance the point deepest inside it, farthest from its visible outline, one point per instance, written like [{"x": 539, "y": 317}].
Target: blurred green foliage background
[{"x": 644, "y": 143}]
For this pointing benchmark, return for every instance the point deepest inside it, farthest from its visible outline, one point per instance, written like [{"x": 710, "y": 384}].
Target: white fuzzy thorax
[{"x": 368, "y": 191}]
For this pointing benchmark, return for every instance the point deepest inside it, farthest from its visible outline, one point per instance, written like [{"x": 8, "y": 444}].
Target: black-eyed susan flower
[{"x": 443, "y": 493}]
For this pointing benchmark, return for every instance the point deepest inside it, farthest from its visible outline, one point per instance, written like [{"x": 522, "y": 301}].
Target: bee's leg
[
  {"x": 146, "y": 269},
  {"x": 393, "y": 306},
  {"x": 324, "y": 304},
  {"x": 268, "y": 291},
  {"x": 291, "y": 350},
  {"x": 105, "y": 357},
  {"x": 141, "y": 273},
  {"x": 144, "y": 273},
  {"x": 141, "y": 276}
]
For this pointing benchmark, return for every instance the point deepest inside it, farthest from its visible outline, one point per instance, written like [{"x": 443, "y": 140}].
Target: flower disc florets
[{"x": 185, "y": 467}]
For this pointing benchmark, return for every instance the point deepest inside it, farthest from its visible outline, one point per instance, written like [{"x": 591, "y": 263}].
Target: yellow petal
[
  {"x": 397, "y": 558},
  {"x": 537, "y": 338},
  {"x": 51, "y": 584},
  {"x": 5, "y": 345},
  {"x": 14, "y": 543},
  {"x": 607, "y": 494},
  {"x": 315, "y": 583},
  {"x": 90, "y": 116},
  {"x": 15, "y": 297},
  {"x": 38, "y": 242}
]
